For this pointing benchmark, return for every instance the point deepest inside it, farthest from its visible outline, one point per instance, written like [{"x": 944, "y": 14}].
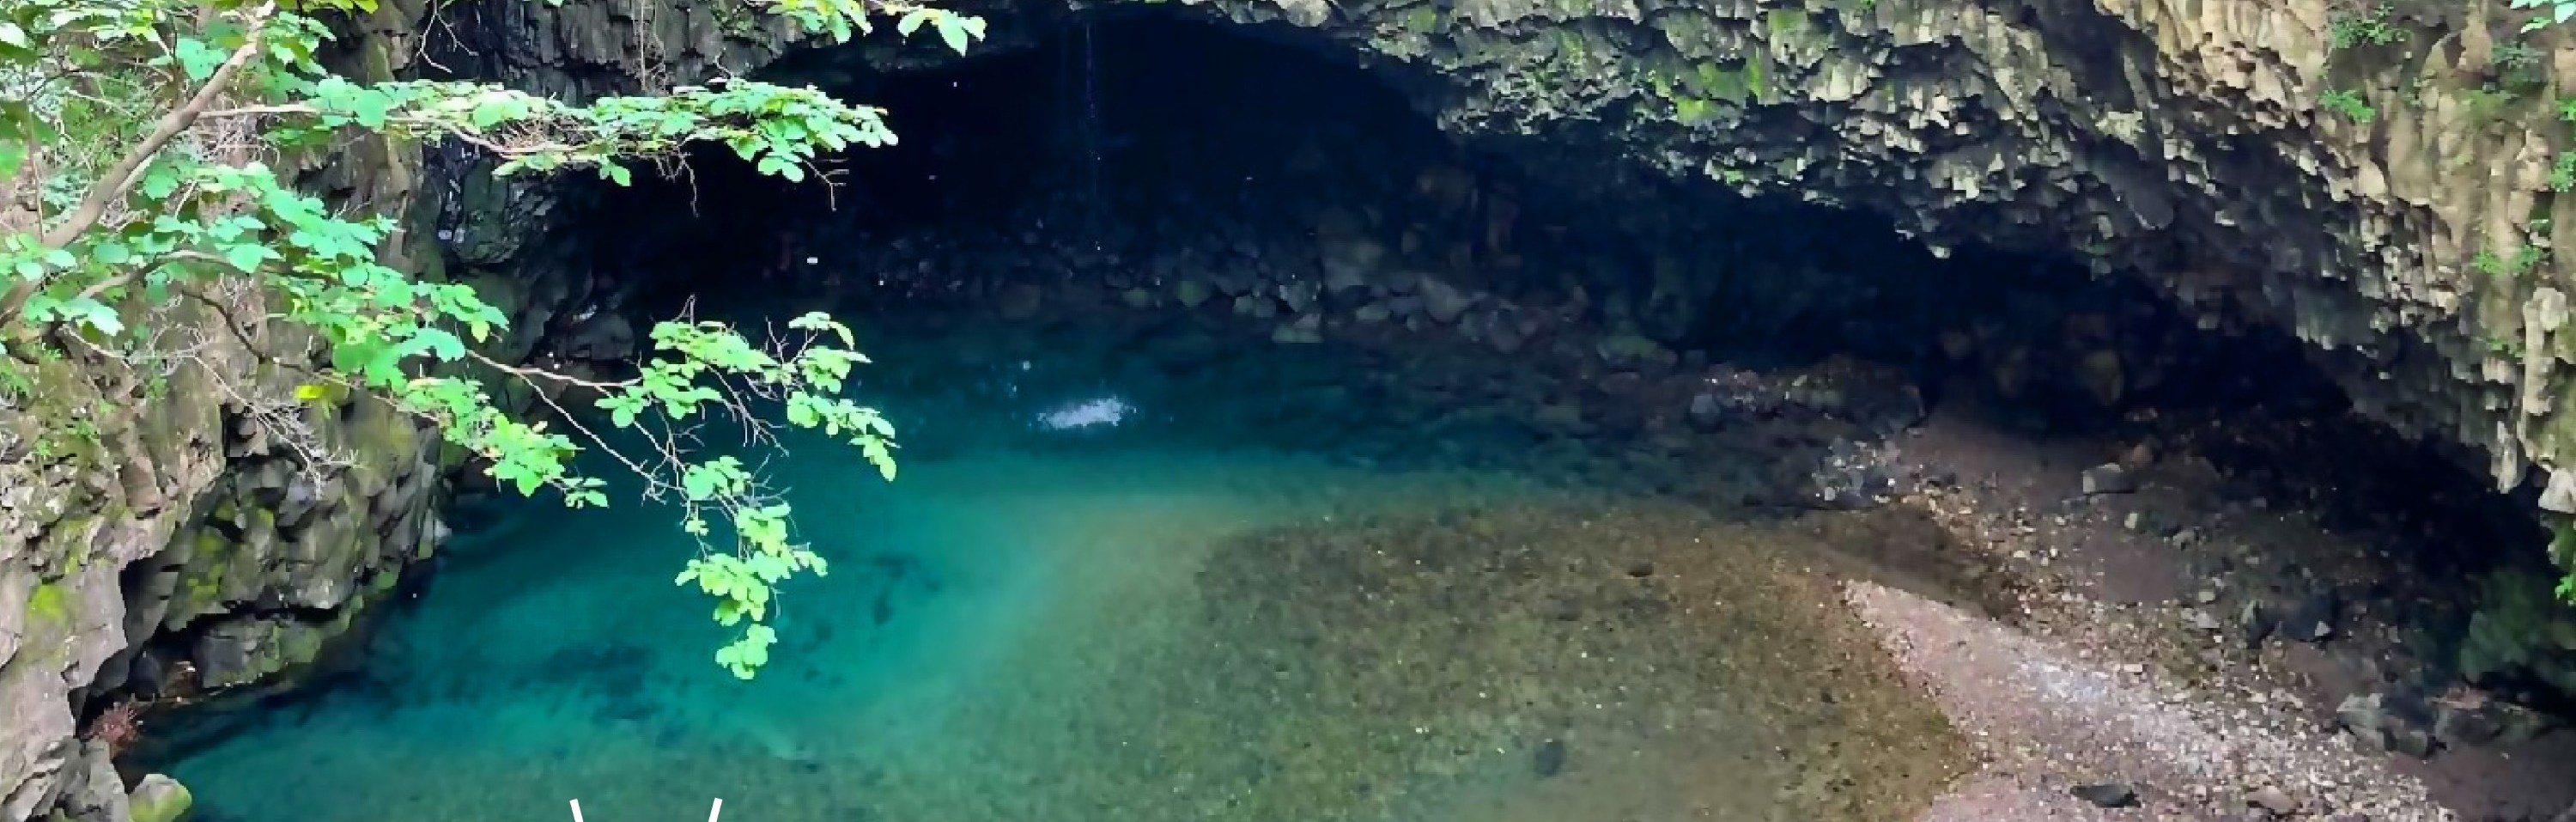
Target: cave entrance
[
  {"x": 1258, "y": 189},
  {"x": 1271, "y": 454},
  {"x": 1156, "y": 158}
]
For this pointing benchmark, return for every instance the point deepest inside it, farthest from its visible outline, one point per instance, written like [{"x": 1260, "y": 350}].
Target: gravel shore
[{"x": 2047, "y": 721}]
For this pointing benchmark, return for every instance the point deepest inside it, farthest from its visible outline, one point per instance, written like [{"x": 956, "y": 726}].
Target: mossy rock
[
  {"x": 159, "y": 799},
  {"x": 50, "y": 605},
  {"x": 2521, "y": 629}
]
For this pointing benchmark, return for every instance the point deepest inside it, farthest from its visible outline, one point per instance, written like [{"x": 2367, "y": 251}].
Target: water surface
[{"x": 1138, "y": 576}]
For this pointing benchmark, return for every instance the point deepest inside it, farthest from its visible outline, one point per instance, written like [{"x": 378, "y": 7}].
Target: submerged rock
[
  {"x": 2107, "y": 795},
  {"x": 2271, "y": 799},
  {"x": 1549, "y": 760},
  {"x": 1444, "y": 302},
  {"x": 2108, "y": 478}
]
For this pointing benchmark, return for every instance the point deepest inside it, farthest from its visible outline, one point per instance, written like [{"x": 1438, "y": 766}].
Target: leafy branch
[{"x": 98, "y": 251}]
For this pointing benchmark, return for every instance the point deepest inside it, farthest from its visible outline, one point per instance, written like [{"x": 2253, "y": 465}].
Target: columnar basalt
[
  {"x": 2405, "y": 231},
  {"x": 2179, "y": 142},
  {"x": 178, "y": 524}
]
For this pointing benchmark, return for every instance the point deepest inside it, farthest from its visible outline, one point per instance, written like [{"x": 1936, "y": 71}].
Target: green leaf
[
  {"x": 953, "y": 31},
  {"x": 198, "y": 59},
  {"x": 248, "y": 257}
]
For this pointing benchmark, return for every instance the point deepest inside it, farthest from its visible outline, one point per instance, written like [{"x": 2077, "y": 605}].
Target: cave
[{"x": 1272, "y": 451}]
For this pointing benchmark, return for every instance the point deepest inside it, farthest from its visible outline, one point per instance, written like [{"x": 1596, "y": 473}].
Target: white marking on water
[{"x": 1105, "y": 411}]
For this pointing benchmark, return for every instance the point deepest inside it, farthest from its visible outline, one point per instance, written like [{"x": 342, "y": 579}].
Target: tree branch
[{"x": 121, "y": 178}]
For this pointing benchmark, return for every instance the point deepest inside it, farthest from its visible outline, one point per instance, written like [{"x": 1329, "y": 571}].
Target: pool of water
[{"x": 1139, "y": 573}]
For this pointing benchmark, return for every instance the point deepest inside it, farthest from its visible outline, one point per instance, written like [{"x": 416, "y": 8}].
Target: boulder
[
  {"x": 1444, "y": 302},
  {"x": 158, "y": 798},
  {"x": 2271, "y": 799},
  {"x": 92, "y": 791},
  {"x": 2312, "y": 617},
  {"x": 2107, "y": 795},
  {"x": 602, "y": 336},
  {"x": 2109, "y": 478},
  {"x": 1631, "y": 351}
]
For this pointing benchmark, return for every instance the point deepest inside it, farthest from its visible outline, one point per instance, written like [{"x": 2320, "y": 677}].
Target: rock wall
[
  {"x": 2182, "y": 142},
  {"x": 172, "y": 526}
]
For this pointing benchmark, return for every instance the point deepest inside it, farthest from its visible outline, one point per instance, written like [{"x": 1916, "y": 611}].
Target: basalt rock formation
[
  {"x": 2387, "y": 198},
  {"x": 2181, "y": 143}
]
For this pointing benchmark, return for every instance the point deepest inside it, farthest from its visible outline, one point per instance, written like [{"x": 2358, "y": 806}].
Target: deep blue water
[{"x": 1168, "y": 616}]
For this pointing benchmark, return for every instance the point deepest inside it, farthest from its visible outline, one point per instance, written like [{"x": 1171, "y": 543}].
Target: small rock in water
[
  {"x": 2257, "y": 623},
  {"x": 2273, "y": 800},
  {"x": 2108, "y": 795},
  {"x": 2108, "y": 478},
  {"x": 1550, "y": 759},
  {"x": 1445, "y": 302},
  {"x": 2312, "y": 618},
  {"x": 1642, "y": 570},
  {"x": 2362, "y": 716}
]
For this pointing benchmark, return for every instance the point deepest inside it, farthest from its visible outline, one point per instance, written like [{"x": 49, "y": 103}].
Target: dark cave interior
[
  {"x": 1146, "y": 154},
  {"x": 1186, "y": 137}
]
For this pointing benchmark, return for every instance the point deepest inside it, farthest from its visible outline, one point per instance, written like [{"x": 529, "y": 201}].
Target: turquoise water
[{"x": 1285, "y": 583}]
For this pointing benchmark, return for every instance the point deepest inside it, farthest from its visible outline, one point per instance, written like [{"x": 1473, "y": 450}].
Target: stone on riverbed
[
  {"x": 2107, "y": 795},
  {"x": 2108, "y": 478}
]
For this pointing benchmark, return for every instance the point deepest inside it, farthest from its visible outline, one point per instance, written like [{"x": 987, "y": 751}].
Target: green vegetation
[
  {"x": 2553, "y": 12},
  {"x": 2524, "y": 261},
  {"x": 2372, "y": 27},
  {"x": 2517, "y": 56},
  {"x": 137, "y": 200},
  {"x": 48, "y": 605},
  {"x": 2518, "y": 629},
  {"x": 2349, "y": 104},
  {"x": 2487, "y": 102},
  {"x": 2562, "y": 172}
]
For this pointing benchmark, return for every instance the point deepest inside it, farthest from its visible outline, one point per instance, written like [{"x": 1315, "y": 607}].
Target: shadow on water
[{"x": 1185, "y": 579}]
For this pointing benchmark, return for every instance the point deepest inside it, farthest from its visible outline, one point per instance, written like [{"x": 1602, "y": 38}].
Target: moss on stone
[
  {"x": 1788, "y": 26},
  {"x": 1688, "y": 31},
  {"x": 1714, "y": 82},
  {"x": 166, "y": 805},
  {"x": 201, "y": 582},
  {"x": 50, "y": 605},
  {"x": 1422, "y": 20},
  {"x": 297, "y": 645}
]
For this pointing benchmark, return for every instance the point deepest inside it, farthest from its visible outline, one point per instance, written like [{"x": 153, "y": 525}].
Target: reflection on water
[{"x": 1138, "y": 577}]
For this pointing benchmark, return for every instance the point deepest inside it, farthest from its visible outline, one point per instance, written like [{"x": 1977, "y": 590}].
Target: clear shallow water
[{"x": 1266, "y": 592}]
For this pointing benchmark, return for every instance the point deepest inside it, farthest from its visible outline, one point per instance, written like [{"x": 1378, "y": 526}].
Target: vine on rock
[{"x": 134, "y": 195}]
